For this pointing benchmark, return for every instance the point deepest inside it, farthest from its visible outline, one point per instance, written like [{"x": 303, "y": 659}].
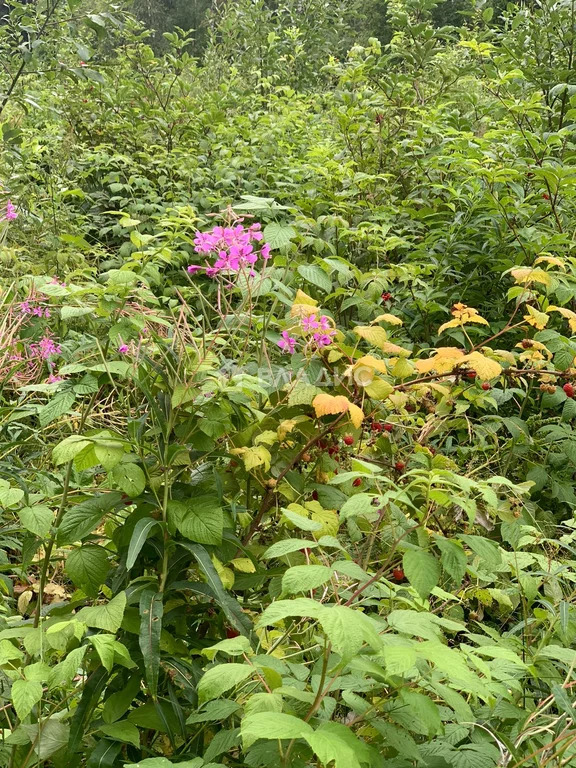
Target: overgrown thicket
[{"x": 287, "y": 401}]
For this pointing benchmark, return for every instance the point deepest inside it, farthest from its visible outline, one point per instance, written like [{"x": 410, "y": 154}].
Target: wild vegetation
[{"x": 288, "y": 385}]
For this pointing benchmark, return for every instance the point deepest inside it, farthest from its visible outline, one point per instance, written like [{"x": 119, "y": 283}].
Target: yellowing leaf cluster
[
  {"x": 462, "y": 315},
  {"x": 325, "y": 405}
]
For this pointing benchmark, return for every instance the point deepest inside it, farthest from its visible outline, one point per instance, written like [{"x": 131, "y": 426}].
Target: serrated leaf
[
  {"x": 278, "y": 235},
  {"x": 88, "y": 568},
  {"x": 37, "y": 519},
  {"x": 130, "y": 478},
  {"x": 58, "y": 406},
  {"x": 301, "y": 578},
  {"x": 107, "y": 617},
  {"x": 273, "y": 725},
  {"x": 199, "y": 519},
  {"x": 422, "y": 570},
  {"x": 217, "y": 680},
  {"x": 25, "y": 695},
  {"x": 316, "y": 276}
]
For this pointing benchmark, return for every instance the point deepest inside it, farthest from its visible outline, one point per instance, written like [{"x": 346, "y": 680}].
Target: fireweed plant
[{"x": 288, "y": 390}]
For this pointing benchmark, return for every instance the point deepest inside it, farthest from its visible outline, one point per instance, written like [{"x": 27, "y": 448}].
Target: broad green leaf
[
  {"x": 37, "y": 519},
  {"x": 83, "y": 518},
  {"x": 302, "y": 578},
  {"x": 234, "y": 646},
  {"x": 316, "y": 276},
  {"x": 25, "y": 695},
  {"x": 301, "y": 607},
  {"x": 123, "y": 730},
  {"x": 287, "y": 546},
  {"x": 348, "y": 629},
  {"x": 336, "y": 744},
  {"x": 453, "y": 558},
  {"x": 9, "y": 497},
  {"x": 422, "y": 570},
  {"x": 107, "y": 617},
  {"x": 130, "y": 478},
  {"x": 273, "y": 725},
  {"x": 58, "y": 406},
  {"x": 278, "y": 235},
  {"x": 88, "y": 567},
  {"x": 199, "y": 519},
  {"x": 48, "y": 736},
  {"x": 217, "y": 680}
]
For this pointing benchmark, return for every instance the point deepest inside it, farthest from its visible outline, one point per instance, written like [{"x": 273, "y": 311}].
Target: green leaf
[
  {"x": 58, "y": 406},
  {"x": 231, "y": 607},
  {"x": 25, "y": 695},
  {"x": 453, "y": 558},
  {"x": 316, "y": 276},
  {"x": 107, "y": 617},
  {"x": 69, "y": 448},
  {"x": 140, "y": 533},
  {"x": 286, "y": 546},
  {"x": 109, "y": 452},
  {"x": 233, "y": 646},
  {"x": 124, "y": 731},
  {"x": 335, "y": 742},
  {"x": 88, "y": 567},
  {"x": 48, "y": 737},
  {"x": 486, "y": 550},
  {"x": 82, "y": 519},
  {"x": 348, "y": 629},
  {"x": 151, "y": 612},
  {"x": 214, "y": 711},
  {"x": 278, "y": 235},
  {"x": 422, "y": 570},
  {"x": 68, "y": 312},
  {"x": 104, "y": 754},
  {"x": 273, "y": 725},
  {"x": 37, "y": 519},
  {"x": 217, "y": 680},
  {"x": 9, "y": 497},
  {"x": 199, "y": 519},
  {"x": 281, "y": 609},
  {"x": 302, "y": 578},
  {"x": 130, "y": 478}
]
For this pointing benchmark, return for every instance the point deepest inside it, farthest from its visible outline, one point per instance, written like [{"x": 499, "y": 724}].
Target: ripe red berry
[
  {"x": 357, "y": 482},
  {"x": 399, "y": 466},
  {"x": 376, "y": 426},
  {"x": 230, "y": 633},
  {"x": 471, "y": 374},
  {"x": 546, "y": 196},
  {"x": 486, "y": 386},
  {"x": 398, "y": 574},
  {"x": 386, "y": 296},
  {"x": 389, "y": 427},
  {"x": 348, "y": 439},
  {"x": 569, "y": 389},
  {"x": 315, "y": 495}
]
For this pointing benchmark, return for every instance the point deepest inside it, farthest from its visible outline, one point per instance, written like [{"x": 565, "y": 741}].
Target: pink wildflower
[
  {"x": 54, "y": 379},
  {"x": 323, "y": 339},
  {"x": 123, "y": 349},
  {"x": 10, "y": 212},
  {"x": 234, "y": 248},
  {"x": 309, "y": 323},
  {"x": 45, "y": 348},
  {"x": 287, "y": 343}
]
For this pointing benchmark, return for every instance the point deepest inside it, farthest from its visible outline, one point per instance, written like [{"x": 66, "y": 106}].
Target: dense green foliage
[{"x": 288, "y": 384}]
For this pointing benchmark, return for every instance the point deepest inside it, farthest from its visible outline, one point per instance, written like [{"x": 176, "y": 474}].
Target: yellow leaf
[
  {"x": 548, "y": 259},
  {"x": 268, "y": 437},
  {"x": 325, "y": 404},
  {"x": 387, "y": 318},
  {"x": 394, "y": 349},
  {"x": 285, "y": 427},
  {"x": 254, "y": 457},
  {"x": 455, "y": 323},
  {"x": 356, "y": 415},
  {"x": 328, "y": 518},
  {"x": 372, "y": 362},
  {"x": 527, "y": 275},
  {"x": 538, "y": 319},
  {"x": 504, "y": 354},
  {"x": 485, "y": 367},
  {"x": 567, "y": 313},
  {"x": 226, "y": 574},
  {"x": 303, "y": 305},
  {"x": 374, "y": 335},
  {"x": 444, "y": 360},
  {"x": 243, "y": 564}
]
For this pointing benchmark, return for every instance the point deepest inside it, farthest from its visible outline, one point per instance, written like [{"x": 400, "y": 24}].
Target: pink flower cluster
[
  {"x": 10, "y": 212},
  {"x": 320, "y": 328},
  {"x": 234, "y": 248},
  {"x": 27, "y": 309},
  {"x": 45, "y": 348}
]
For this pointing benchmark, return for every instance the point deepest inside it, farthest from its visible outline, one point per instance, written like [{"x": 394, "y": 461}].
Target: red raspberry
[
  {"x": 471, "y": 374},
  {"x": 376, "y": 426},
  {"x": 315, "y": 495},
  {"x": 357, "y": 482},
  {"x": 398, "y": 574},
  {"x": 348, "y": 440},
  {"x": 546, "y": 196},
  {"x": 386, "y": 296},
  {"x": 486, "y": 386},
  {"x": 389, "y": 427},
  {"x": 230, "y": 633},
  {"x": 399, "y": 466},
  {"x": 569, "y": 389}
]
